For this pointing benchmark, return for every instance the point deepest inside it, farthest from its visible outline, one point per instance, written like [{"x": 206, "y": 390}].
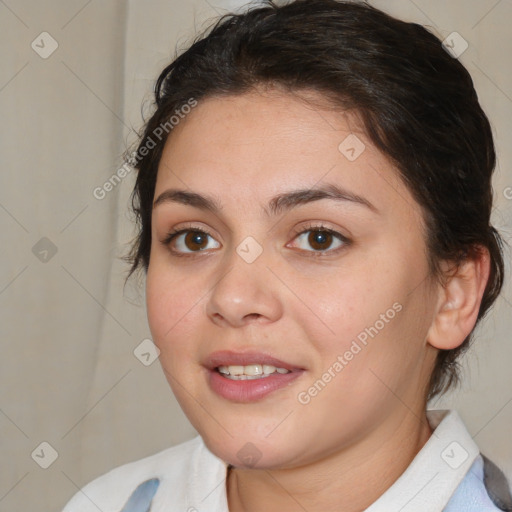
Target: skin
[{"x": 345, "y": 447}]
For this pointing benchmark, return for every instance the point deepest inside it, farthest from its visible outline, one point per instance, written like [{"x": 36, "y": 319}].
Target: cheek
[
  {"x": 172, "y": 303},
  {"x": 344, "y": 304},
  {"x": 365, "y": 313}
]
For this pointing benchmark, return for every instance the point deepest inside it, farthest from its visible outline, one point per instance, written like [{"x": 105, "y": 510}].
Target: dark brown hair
[{"x": 417, "y": 103}]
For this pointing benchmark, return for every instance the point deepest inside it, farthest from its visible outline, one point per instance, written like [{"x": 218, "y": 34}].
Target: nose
[{"x": 244, "y": 293}]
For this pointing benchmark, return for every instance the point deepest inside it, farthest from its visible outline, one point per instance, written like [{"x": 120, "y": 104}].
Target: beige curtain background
[{"x": 74, "y": 399}]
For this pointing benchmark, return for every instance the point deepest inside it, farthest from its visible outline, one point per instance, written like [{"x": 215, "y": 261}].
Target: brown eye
[
  {"x": 320, "y": 240},
  {"x": 195, "y": 240},
  {"x": 187, "y": 241}
]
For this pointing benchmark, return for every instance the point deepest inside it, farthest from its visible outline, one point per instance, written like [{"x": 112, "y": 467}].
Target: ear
[{"x": 459, "y": 299}]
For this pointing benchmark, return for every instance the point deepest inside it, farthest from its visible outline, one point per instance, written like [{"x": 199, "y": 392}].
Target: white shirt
[{"x": 447, "y": 474}]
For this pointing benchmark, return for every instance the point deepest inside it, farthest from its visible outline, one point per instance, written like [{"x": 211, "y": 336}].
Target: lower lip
[{"x": 249, "y": 390}]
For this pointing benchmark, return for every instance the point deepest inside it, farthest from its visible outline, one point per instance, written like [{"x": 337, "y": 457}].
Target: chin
[{"x": 252, "y": 452}]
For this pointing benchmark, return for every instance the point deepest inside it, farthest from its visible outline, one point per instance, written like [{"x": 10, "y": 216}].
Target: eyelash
[{"x": 304, "y": 229}]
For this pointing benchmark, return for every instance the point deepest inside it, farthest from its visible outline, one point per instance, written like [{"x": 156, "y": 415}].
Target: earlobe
[{"x": 459, "y": 302}]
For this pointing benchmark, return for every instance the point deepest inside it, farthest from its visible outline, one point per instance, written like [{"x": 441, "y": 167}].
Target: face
[{"x": 279, "y": 243}]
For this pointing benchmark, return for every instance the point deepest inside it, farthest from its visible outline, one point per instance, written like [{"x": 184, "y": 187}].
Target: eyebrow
[{"x": 278, "y": 204}]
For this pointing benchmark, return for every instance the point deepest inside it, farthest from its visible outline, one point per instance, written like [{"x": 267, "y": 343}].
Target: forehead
[{"x": 259, "y": 144}]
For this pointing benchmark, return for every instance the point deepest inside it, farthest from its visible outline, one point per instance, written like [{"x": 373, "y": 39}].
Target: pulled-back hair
[{"x": 417, "y": 103}]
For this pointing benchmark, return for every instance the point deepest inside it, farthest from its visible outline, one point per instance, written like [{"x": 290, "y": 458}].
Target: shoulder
[
  {"x": 484, "y": 488},
  {"x": 111, "y": 491}
]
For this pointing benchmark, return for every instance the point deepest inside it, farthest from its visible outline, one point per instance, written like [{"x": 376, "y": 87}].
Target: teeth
[{"x": 250, "y": 371}]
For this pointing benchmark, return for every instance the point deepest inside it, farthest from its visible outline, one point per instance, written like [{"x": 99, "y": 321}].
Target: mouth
[{"x": 248, "y": 376}]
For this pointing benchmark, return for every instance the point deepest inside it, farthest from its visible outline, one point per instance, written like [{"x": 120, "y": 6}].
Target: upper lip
[{"x": 228, "y": 358}]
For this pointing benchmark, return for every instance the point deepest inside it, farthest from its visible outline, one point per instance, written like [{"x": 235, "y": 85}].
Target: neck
[{"x": 349, "y": 480}]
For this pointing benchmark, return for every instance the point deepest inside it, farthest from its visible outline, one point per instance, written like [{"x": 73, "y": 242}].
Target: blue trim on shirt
[{"x": 140, "y": 499}]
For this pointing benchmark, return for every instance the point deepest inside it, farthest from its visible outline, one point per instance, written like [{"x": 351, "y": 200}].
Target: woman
[{"x": 314, "y": 197}]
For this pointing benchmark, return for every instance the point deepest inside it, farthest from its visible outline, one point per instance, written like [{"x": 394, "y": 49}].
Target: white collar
[{"x": 437, "y": 470}]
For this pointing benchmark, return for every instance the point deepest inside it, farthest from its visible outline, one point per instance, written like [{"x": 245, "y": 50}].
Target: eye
[
  {"x": 189, "y": 241},
  {"x": 321, "y": 240}
]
